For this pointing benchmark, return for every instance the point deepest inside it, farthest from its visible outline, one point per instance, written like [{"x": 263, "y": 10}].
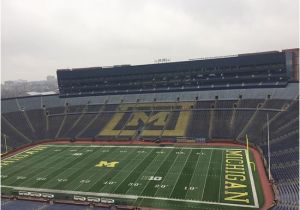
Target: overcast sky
[{"x": 40, "y": 36}]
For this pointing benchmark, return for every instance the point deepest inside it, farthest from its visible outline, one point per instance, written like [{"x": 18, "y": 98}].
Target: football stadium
[{"x": 209, "y": 134}]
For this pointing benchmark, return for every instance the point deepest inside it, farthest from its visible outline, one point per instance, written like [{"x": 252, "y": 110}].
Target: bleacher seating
[
  {"x": 218, "y": 119},
  {"x": 38, "y": 120},
  {"x": 208, "y": 117},
  {"x": 14, "y": 137},
  {"x": 19, "y": 122},
  {"x": 19, "y": 204},
  {"x": 7, "y": 204}
]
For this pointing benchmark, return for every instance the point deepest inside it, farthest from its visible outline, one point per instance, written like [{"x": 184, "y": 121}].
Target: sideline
[
  {"x": 122, "y": 196},
  {"x": 266, "y": 186}
]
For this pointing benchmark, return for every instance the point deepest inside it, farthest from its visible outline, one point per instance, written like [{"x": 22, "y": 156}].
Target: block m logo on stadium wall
[
  {"x": 149, "y": 120},
  {"x": 158, "y": 119}
]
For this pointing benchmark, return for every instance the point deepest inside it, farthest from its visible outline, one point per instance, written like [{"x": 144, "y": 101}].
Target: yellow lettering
[
  {"x": 237, "y": 196},
  {"x": 7, "y": 161},
  {"x": 234, "y": 177},
  {"x": 31, "y": 152},
  {"x": 235, "y": 167},
  {"x": 22, "y": 156},
  {"x": 234, "y": 160},
  {"x": 14, "y": 158},
  {"x": 107, "y": 164},
  {"x": 235, "y": 153},
  {"x": 235, "y": 172},
  {"x": 230, "y": 185}
]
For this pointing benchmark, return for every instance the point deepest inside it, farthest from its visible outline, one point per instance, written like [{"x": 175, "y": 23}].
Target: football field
[{"x": 146, "y": 176}]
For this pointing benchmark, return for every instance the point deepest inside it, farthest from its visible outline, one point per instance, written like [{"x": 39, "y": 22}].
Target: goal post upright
[
  {"x": 269, "y": 158},
  {"x": 247, "y": 148},
  {"x": 248, "y": 153}
]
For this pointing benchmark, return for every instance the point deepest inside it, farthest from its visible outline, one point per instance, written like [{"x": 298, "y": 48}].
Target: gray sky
[{"x": 40, "y": 36}]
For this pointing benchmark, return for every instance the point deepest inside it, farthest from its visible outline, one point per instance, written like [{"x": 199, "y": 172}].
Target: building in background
[{"x": 18, "y": 88}]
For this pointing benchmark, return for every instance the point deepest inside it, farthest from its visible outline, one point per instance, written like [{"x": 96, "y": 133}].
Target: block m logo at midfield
[{"x": 149, "y": 119}]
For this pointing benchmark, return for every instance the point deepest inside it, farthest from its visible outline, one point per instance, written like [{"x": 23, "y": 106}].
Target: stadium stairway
[
  {"x": 14, "y": 137},
  {"x": 93, "y": 127},
  {"x": 86, "y": 121},
  {"x": 55, "y": 117},
  {"x": 37, "y": 119},
  {"x": 71, "y": 118},
  {"x": 75, "y": 119}
]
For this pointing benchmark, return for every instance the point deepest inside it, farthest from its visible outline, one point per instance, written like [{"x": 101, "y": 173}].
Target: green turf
[{"x": 151, "y": 176}]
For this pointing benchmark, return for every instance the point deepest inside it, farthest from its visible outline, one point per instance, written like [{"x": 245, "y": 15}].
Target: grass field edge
[
  {"x": 132, "y": 197},
  {"x": 254, "y": 193}
]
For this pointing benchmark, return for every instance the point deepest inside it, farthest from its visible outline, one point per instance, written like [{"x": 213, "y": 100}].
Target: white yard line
[
  {"x": 38, "y": 174},
  {"x": 221, "y": 177},
  {"x": 180, "y": 173},
  {"x": 206, "y": 175},
  {"x": 146, "y": 184},
  {"x": 132, "y": 170},
  {"x": 252, "y": 183},
  {"x": 107, "y": 172},
  {"x": 145, "y": 147},
  {"x": 167, "y": 173},
  {"x": 95, "y": 173},
  {"x": 199, "y": 157},
  {"x": 109, "y": 195}
]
